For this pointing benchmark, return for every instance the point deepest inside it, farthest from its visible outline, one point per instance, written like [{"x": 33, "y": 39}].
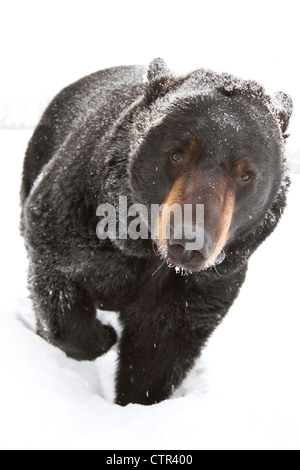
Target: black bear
[{"x": 155, "y": 139}]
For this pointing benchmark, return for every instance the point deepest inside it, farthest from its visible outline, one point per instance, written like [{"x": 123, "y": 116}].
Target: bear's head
[{"x": 215, "y": 142}]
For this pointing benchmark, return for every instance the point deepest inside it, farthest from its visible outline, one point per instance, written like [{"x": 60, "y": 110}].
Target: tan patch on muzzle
[
  {"x": 224, "y": 221},
  {"x": 227, "y": 216},
  {"x": 174, "y": 197}
]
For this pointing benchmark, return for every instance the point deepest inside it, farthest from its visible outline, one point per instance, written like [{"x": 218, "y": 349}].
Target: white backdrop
[{"x": 47, "y": 44}]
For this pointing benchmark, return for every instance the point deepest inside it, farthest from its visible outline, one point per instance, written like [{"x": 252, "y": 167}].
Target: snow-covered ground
[{"x": 244, "y": 392}]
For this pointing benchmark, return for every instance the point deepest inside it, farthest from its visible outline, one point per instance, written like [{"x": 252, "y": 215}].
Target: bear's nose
[{"x": 192, "y": 248}]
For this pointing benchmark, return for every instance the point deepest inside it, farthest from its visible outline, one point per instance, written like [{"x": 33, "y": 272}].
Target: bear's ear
[
  {"x": 159, "y": 80},
  {"x": 283, "y": 109}
]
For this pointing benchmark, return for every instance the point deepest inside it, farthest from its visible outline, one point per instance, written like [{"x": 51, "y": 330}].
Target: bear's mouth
[{"x": 189, "y": 261}]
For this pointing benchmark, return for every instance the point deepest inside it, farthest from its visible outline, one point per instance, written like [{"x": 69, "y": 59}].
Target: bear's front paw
[{"x": 90, "y": 343}]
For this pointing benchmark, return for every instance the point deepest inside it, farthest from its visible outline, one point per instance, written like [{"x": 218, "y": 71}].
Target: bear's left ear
[
  {"x": 159, "y": 80},
  {"x": 283, "y": 109}
]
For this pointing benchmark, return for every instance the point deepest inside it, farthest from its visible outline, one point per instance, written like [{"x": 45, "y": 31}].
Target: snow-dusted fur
[{"x": 90, "y": 148}]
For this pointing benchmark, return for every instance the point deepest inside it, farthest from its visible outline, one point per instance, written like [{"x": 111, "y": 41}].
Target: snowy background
[{"x": 244, "y": 392}]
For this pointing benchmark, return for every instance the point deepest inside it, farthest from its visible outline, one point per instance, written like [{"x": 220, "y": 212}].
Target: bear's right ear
[
  {"x": 283, "y": 108},
  {"x": 159, "y": 80}
]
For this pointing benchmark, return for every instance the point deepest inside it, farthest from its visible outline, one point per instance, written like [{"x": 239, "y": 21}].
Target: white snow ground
[{"x": 243, "y": 394}]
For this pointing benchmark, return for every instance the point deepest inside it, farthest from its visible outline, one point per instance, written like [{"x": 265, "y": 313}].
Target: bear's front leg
[
  {"x": 157, "y": 352},
  {"x": 165, "y": 331},
  {"x": 66, "y": 315}
]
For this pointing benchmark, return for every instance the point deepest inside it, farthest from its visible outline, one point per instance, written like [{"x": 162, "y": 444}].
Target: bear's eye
[
  {"x": 245, "y": 178},
  {"x": 176, "y": 157}
]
